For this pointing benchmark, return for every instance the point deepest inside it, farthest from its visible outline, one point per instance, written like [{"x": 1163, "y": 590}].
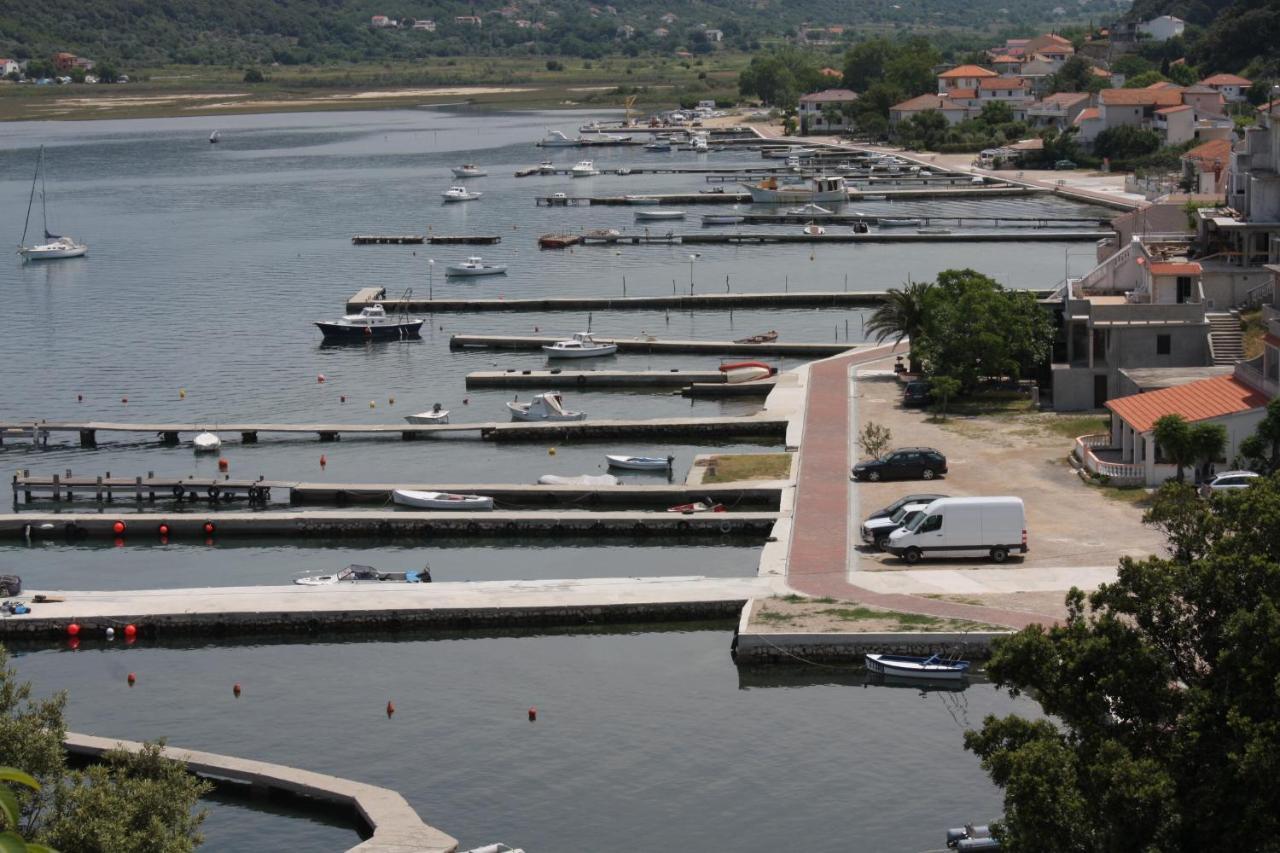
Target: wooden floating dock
[
  {"x": 489, "y": 431},
  {"x": 387, "y": 239},
  {"x": 205, "y": 491},
  {"x": 467, "y": 239},
  {"x": 928, "y": 221},
  {"x": 145, "y": 526},
  {"x": 712, "y": 237},
  {"x": 655, "y": 345}
]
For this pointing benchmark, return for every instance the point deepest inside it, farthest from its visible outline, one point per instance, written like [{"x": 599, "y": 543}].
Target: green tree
[
  {"x": 1145, "y": 79},
  {"x": 1164, "y": 729},
  {"x": 996, "y": 113},
  {"x": 902, "y": 316},
  {"x": 1183, "y": 74},
  {"x": 1262, "y": 449},
  {"x": 780, "y": 77},
  {"x": 1173, "y": 438},
  {"x": 140, "y": 803},
  {"x": 944, "y": 388},
  {"x": 974, "y": 328},
  {"x": 1073, "y": 76},
  {"x": 107, "y": 73},
  {"x": 874, "y": 439},
  {"x": 1208, "y": 443},
  {"x": 253, "y": 75},
  {"x": 1126, "y": 143},
  {"x": 864, "y": 63}
]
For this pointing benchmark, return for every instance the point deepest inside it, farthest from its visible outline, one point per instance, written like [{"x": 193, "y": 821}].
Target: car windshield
[
  {"x": 897, "y": 516},
  {"x": 914, "y": 524}
]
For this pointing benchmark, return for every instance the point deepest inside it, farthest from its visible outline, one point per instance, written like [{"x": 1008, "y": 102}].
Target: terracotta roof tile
[
  {"x": 1226, "y": 80},
  {"x": 927, "y": 102},
  {"x": 829, "y": 96},
  {"x": 1140, "y": 97},
  {"x": 1214, "y": 149},
  {"x": 967, "y": 71},
  {"x": 961, "y": 94},
  {"x": 1166, "y": 110},
  {"x": 1087, "y": 114},
  {"x": 1195, "y": 401}
]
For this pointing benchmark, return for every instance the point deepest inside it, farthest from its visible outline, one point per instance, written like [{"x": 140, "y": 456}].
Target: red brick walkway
[{"x": 820, "y": 547}]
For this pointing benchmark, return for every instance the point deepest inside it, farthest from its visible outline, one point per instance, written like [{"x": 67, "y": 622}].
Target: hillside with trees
[
  {"x": 245, "y": 32},
  {"x": 1237, "y": 36}
]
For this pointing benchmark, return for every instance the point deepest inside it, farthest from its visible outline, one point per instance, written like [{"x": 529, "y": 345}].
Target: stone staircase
[{"x": 1226, "y": 337}]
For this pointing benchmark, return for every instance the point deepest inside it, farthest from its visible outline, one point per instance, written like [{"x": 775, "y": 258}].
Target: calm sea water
[{"x": 208, "y": 265}]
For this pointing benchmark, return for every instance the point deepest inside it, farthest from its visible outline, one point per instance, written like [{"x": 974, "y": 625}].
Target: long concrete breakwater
[
  {"x": 748, "y": 426},
  {"x": 1060, "y": 235},
  {"x": 393, "y": 824},
  {"x": 177, "y": 525},
  {"x": 631, "y": 379}
]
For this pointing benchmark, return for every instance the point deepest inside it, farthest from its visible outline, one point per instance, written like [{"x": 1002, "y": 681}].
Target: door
[
  {"x": 907, "y": 465},
  {"x": 1099, "y": 391},
  {"x": 1184, "y": 289}
]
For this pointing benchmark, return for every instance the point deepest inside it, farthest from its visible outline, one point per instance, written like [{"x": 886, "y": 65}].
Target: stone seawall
[{"x": 753, "y": 648}]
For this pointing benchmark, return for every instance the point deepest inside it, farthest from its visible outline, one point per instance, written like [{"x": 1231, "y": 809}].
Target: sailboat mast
[
  {"x": 30, "y": 201},
  {"x": 44, "y": 198}
]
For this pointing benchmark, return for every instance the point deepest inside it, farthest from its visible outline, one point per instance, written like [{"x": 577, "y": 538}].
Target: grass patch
[
  {"x": 748, "y": 466},
  {"x": 1071, "y": 426},
  {"x": 985, "y": 403},
  {"x": 1133, "y": 495},
  {"x": 1254, "y": 331}
]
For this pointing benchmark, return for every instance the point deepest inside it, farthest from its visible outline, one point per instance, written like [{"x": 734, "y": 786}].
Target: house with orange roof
[
  {"x": 963, "y": 77},
  {"x": 1203, "y": 167},
  {"x": 1088, "y": 124},
  {"x": 1175, "y": 125},
  {"x": 953, "y": 112},
  {"x": 1011, "y": 90},
  {"x": 1128, "y": 453},
  {"x": 1137, "y": 108},
  {"x": 1057, "y": 110},
  {"x": 1233, "y": 87},
  {"x": 1207, "y": 100},
  {"x": 815, "y": 110},
  {"x": 1005, "y": 63}
]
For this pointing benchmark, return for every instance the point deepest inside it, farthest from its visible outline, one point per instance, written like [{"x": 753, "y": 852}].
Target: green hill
[
  {"x": 1239, "y": 36},
  {"x": 243, "y": 32}
]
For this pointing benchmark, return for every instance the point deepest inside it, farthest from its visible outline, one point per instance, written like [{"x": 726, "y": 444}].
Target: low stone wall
[
  {"x": 849, "y": 648},
  {"x": 395, "y": 826}
]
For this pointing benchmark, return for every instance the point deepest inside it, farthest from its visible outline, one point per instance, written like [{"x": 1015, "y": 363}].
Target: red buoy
[
  {"x": 391, "y": 708},
  {"x": 223, "y": 464},
  {"x": 533, "y": 714},
  {"x": 236, "y": 689},
  {"x": 164, "y": 530},
  {"x": 320, "y": 377},
  {"x": 118, "y": 528},
  {"x": 323, "y": 460},
  {"x": 73, "y": 629},
  {"x": 130, "y": 631},
  {"x": 132, "y": 679},
  {"x": 209, "y": 528}
]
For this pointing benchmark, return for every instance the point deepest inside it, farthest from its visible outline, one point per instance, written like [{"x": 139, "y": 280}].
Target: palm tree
[{"x": 901, "y": 314}]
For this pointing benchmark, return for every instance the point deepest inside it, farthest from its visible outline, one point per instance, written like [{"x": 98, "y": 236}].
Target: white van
[{"x": 963, "y": 527}]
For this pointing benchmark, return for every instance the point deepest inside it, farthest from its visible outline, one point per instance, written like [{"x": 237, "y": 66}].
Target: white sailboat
[{"x": 56, "y": 245}]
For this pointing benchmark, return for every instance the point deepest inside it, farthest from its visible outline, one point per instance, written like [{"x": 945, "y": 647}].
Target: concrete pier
[
  {"x": 146, "y": 526},
  {"x": 673, "y": 378},
  {"x": 395, "y": 826},
  {"x": 975, "y": 191},
  {"x": 907, "y": 235}
]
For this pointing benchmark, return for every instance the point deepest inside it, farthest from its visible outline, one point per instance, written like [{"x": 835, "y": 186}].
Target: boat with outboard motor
[
  {"x": 640, "y": 463},
  {"x": 437, "y": 415},
  {"x": 584, "y": 169},
  {"x": 460, "y": 194},
  {"x": 581, "y": 345},
  {"x": 469, "y": 170},
  {"x": 356, "y": 573},
  {"x": 544, "y": 407},
  {"x": 206, "y": 442},
  {"x": 934, "y": 667},
  {"x": 440, "y": 500},
  {"x": 474, "y": 266},
  {"x": 371, "y": 324}
]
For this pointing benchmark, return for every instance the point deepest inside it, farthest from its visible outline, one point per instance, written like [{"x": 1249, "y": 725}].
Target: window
[
  {"x": 932, "y": 523},
  {"x": 1164, "y": 344}
]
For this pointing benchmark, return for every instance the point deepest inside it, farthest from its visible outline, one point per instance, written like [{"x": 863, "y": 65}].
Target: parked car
[
  {"x": 875, "y": 531},
  {"x": 900, "y": 503},
  {"x": 1065, "y": 164},
  {"x": 963, "y": 527},
  {"x": 1229, "y": 481},
  {"x": 917, "y": 393},
  {"x": 905, "y": 463}
]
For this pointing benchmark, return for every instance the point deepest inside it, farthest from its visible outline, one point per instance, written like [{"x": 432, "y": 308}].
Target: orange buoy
[
  {"x": 320, "y": 377},
  {"x": 118, "y": 528},
  {"x": 223, "y": 464},
  {"x": 130, "y": 631},
  {"x": 73, "y": 629},
  {"x": 236, "y": 689},
  {"x": 133, "y": 679},
  {"x": 391, "y": 708},
  {"x": 209, "y": 528},
  {"x": 533, "y": 714},
  {"x": 323, "y": 460}
]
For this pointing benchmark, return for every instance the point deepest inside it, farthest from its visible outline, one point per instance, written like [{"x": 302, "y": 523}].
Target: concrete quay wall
[
  {"x": 757, "y": 647},
  {"x": 395, "y": 826}
]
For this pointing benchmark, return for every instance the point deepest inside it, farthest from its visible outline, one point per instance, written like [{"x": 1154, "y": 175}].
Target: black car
[
  {"x": 901, "y": 502},
  {"x": 905, "y": 463},
  {"x": 917, "y": 393}
]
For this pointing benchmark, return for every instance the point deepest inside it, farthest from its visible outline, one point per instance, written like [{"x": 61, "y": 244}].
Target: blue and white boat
[
  {"x": 640, "y": 463},
  {"x": 932, "y": 668}
]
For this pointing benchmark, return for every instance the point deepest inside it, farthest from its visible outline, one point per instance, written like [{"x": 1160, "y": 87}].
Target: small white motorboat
[
  {"x": 658, "y": 215},
  {"x": 814, "y": 230},
  {"x": 546, "y": 167},
  {"x": 440, "y": 500},
  {"x": 437, "y": 415},
  {"x": 899, "y": 223},
  {"x": 721, "y": 219},
  {"x": 584, "y": 169},
  {"x": 459, "y": 194},
  {"x": 475, "y": 265},
  {"x": 809, "y": 209},
  {"x": 581, "y": 345},
  {"x": 933, "y": 668},
  {"x": 641, "y": 463},
  {"x": 556, "y": 139},
  {"x": 658, "y": 145},
  {"x": 355, "y": 573},
  {"x": 642, "y": 199},
  {"x": 580, "y": 480},
  {"x": 372, "y": 323},
  {"x": 214, "y": 138},
  {"x": 544, "y": 407},
  {"x": 206, "y": 442},
  {"x": 470, "y": 170}
]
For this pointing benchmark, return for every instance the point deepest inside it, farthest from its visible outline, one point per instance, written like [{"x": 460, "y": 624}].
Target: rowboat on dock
[
  {"x": 355, "y": 573},
  {"x": 579, "y": 480},
  {"x": 641, "y": 463},
  {"x": 474, "y": 266},
  {"x": 658, "y": 215},
  {"x": 745, "y": 371},
  {"x": 544, "y": 407},
  {"x": 371, "y": 324},
  {"x": 440, "y": 500},
  {"x": 934, "y": 667},
  {"x": 814, "y": 230},
  {"x": 697, "y": 506}
]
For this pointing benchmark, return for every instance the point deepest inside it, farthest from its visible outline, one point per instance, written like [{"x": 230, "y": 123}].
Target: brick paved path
[{"x": 820, "y": 545}]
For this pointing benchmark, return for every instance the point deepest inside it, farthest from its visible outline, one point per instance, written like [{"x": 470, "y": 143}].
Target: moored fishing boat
[
  {"x": 584, "y": 169},
  {"x": 372, "y": 323},
  {"x": 470, "y": 170},
  {"x": 821, "y": 188},
  {"x": 934, "y": 667},
  {"x": 544, "y": 407},
  {"x": 474, "y": 266},
  {"x": 460, "y": 194},
  {"x": 581, "y": 345},
  {"x": 441, "y": 500}
]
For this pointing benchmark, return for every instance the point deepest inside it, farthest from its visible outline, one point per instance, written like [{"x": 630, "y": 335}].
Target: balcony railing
[
  {"x": 1250, "y": 373},
  {"x": 1120, "y": 473}
]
